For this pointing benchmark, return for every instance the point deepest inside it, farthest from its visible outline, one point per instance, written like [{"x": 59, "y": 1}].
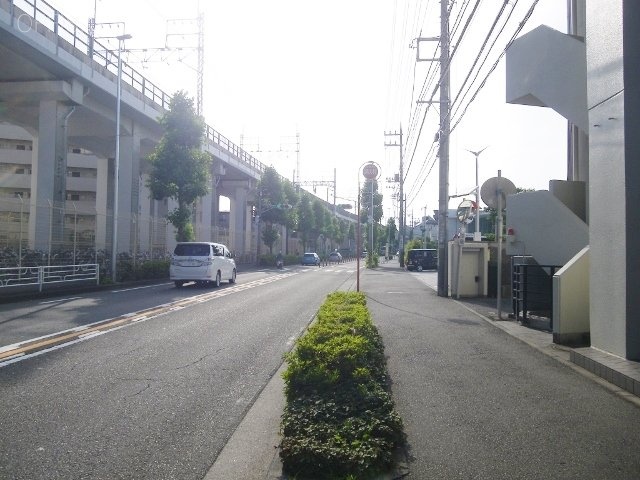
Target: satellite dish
[{"x": 495, "y": 186}]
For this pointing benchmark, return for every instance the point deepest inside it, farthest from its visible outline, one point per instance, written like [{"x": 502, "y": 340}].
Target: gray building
[{"x": 586, "y": 222}]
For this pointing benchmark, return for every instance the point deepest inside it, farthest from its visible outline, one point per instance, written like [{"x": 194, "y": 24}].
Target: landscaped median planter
[{"x": 339, "y": 420}]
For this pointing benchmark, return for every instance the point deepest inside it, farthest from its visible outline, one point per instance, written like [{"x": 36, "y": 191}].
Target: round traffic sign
[{"x": 370, "y": 171}]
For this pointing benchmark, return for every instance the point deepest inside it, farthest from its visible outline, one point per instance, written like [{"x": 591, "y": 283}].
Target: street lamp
[
  {"x": 114, "y": 243},
  {"x": 477, "y": 236}
]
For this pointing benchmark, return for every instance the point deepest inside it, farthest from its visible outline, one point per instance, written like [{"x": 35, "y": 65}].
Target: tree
[
  {"x": 179, "y": 168},
  {"x": 391, "y": 232},
  {"x": 306, "y": 220},
  {"x": 270, "y": 236},
  {"x": 272, "y": 197}
]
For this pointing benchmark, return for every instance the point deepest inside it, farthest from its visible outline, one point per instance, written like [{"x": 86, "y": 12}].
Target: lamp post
[
  {"x": 114, "y": 243},
  {"x": 477, "y": 236}
]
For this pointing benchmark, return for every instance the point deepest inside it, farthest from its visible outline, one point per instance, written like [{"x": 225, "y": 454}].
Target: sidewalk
[{"x": 475, "y": 403}]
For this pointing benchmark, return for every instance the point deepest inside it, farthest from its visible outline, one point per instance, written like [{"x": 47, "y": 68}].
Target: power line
[{"x": 493, "y": 67}]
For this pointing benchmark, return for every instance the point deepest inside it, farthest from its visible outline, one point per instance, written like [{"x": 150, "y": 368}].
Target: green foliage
[
  {"x": 339, "y": 420},
  {"x": 413, "y": 243},
  {"x": 178, "y": 168},
  {"x": 182, "y": 217},
  {"x": 269, "y": 236},
  {"x": 150, "y": 269},
  {"x": 271, "y": 197},
  {"x": 372, "y": 260}
]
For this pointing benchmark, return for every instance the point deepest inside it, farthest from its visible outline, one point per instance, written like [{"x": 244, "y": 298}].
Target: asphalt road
[
  {"x": 479, "y": 404},
  {"x": 158, "y": 398}
]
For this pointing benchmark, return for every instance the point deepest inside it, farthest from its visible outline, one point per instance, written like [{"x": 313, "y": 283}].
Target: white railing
[{"x": 47, "y": 275}]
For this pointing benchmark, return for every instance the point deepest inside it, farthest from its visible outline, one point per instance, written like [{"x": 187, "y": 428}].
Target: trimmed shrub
[{"x": 339, "y": 419}]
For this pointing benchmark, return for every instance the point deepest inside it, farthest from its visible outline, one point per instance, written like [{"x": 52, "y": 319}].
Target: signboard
[{"x": 370, "y": 171}]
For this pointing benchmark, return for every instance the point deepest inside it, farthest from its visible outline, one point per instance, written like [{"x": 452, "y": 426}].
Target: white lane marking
[
  {"x": 90, "y": 335},
  {"x": 140, "y": 288},
  {"x": 58, "y": 300},
  {"x": 9, "y": 347},
  {"x": 170, "y": 307}
]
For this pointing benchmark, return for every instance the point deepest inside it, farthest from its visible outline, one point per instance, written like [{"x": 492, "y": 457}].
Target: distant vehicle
[
  {"x": 364, "y": 254},
  {"x": 335, "y": 257},
  {"x": 422, "y": 259},
  {"x": 311, "y": 258},
  {"x": 202, "y": 262}
]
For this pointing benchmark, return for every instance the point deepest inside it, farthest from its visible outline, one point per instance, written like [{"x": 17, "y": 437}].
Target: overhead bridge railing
[
  {"x": 38, "y": 277},
  {"x": 40, "y": 17}
]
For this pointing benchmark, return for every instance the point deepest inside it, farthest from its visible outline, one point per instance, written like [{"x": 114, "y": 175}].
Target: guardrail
[
  {"x": 39, "y": 16},
  {"x": 48, "y": 275}
]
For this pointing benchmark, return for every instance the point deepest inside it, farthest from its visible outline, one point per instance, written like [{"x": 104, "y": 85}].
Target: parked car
[
  {"x": 201, "y": 262},
  {"x": 335, "y": 257},
  {"x": 422, "y": 259},
  {"x": 311, "y": 258}
]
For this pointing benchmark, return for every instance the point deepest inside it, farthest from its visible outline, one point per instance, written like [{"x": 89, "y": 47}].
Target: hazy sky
[{"x": 341, "y": 73}]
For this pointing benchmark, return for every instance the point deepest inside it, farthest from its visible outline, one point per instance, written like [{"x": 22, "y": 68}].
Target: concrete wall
[
  {"x": 571, "y": 301},
  {"x": 613, "y": 49},
  {"x": 544, "y": 227}
]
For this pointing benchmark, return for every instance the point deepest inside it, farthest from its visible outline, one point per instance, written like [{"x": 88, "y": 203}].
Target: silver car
[{"x": 205, "y": 263}]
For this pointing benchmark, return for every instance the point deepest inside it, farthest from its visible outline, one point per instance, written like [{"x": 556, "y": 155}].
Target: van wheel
[
  {"x": 419, "y": 268},
  {"x": 217, "y": 284},
  {"x": 179, "y": 283},
  {"x": 233, "y": 277}
]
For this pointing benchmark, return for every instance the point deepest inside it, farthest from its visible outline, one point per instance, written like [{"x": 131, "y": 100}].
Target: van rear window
[{"x": 192, "y": 250}]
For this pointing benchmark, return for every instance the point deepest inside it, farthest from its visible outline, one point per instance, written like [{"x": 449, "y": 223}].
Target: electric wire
[
  {"x": 413, "y": 189},
  {"x": 493, "y": 67},
  {"x": 479, "y": 69}
]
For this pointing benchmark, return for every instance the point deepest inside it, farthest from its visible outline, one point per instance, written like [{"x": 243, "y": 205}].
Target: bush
[
  {"x": 372, "y": 260},
  {"x": 146, "y": 270},
  {"x": 413, "y": 243},
  {"x": 339, "y": 419}
]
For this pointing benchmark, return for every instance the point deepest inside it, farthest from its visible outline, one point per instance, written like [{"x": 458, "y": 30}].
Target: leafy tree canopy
[{"x": 180, "y": 170}]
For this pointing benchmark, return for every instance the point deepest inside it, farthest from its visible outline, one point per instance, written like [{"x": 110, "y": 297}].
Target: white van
[{"x": 201, "y": 262}]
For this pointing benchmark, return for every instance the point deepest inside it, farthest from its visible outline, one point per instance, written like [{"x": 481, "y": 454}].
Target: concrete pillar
[
  {"x": 204, "y": 229},
  {"x": 48, "y": 175},
  {"x": 215, "y": 210},
  {"x": 103, "y": 223},
  {"x": 128, "y": 189},
  {"x": 239, "y": 231}
]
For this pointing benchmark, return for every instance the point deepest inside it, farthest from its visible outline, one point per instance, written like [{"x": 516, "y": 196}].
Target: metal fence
[
  {"x": 48, "y": 275},
  {"x": 79, "y": 234},
  {"x": 532, "y": 290}
]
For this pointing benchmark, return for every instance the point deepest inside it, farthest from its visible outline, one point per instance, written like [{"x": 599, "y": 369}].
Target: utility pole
[
  {"x": 401, "y": 180},
  {"x": 443, "y": 207}
]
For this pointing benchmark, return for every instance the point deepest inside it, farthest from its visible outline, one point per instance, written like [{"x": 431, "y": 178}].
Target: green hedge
[
  {"x": 339, "y": 419},
  {"x": 147, "y": 270}
]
